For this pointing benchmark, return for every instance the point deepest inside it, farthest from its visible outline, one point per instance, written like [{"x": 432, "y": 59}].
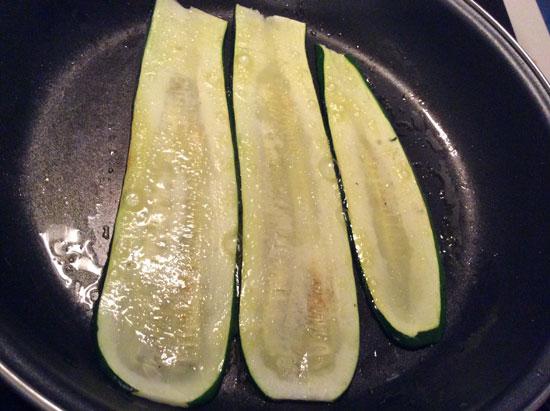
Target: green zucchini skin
[
  {"x": 172, "y": 142},
  {"x": 298, "y": 314},
  {"x": 422, "y": 338}
]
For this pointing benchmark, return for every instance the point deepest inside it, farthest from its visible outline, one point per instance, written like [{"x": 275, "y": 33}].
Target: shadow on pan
[{"x": 472, "y": 116}]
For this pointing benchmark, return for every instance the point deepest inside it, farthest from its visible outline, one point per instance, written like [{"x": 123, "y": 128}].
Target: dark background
[{"x": 12, "y": 401}]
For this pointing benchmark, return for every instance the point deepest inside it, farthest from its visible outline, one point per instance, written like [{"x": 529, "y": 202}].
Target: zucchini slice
[
  {"x": 390, "y": 223},
  {"x": 165, "y": 311},
  {"x": 298, "y": 315}
]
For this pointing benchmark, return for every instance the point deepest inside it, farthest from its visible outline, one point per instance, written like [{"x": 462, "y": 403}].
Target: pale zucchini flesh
[
  {"x": 298, "y": 315},
  {"x": 390, "y": 223},
  {"x": 163, "y": 321}
]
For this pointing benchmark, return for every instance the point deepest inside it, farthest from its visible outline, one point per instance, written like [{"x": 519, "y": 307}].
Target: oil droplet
[
  {"x": 142, "y": 217},
  {"x": 229, "y": 242},
  {"x": 403, "y": 172},
  {"x": 74, "y": 261},
  {"x": 157, "y": 218},
  {"x": 132, "y": 199},
  {"x": 244, "y": 59},
  {"x": 326, "y": 168}
]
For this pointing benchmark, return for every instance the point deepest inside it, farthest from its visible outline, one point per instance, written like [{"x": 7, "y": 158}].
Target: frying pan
[{"x": 471, "y": 110}]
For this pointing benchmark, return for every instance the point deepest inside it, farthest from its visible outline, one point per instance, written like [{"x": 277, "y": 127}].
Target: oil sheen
[
  {"x": 165, "y": 310},
  {"x": 298, "y": 314}
]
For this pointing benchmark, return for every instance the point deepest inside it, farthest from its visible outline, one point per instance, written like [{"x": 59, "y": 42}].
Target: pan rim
[
  {"x": 512, "y": 42},
  {"x": 537, "y": 398}
]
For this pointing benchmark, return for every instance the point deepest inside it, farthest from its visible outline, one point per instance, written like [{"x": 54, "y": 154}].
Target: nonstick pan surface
[{"x": 473, "y": 116}]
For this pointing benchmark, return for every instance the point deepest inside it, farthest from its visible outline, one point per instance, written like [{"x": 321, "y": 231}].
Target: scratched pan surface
[{"x": 471, "y": 114}]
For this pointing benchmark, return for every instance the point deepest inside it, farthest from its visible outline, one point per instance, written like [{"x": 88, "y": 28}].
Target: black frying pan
[{"x": 471, "y": 111}]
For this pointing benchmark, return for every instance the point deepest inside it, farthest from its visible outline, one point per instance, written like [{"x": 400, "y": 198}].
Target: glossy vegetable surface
[
  {"x": 390, "y": 223},
  {"x": 165, "y": 312},
  {"x": 298, "y": 311}
]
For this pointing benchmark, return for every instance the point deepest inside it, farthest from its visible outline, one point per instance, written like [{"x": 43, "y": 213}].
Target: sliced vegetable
[
  {"x": 164, "y": 315},
  {"x": 391, "y": 227},
  {"x": 298, "y": 313}
]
